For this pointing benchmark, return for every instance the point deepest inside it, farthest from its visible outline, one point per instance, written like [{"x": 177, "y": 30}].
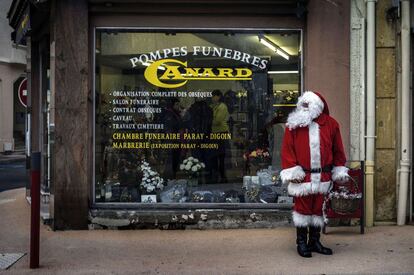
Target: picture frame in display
[{"x": 149, "y": 198}]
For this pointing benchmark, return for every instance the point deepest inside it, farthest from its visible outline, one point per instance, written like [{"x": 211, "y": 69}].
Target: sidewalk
[
  {"x": 385, "y": 249},
  {"x": 16, "y": 156}
]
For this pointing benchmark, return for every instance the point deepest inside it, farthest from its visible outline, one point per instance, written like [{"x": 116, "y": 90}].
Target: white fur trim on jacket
[
  {"x": 308, "y": 188},
  {"x": 300, "y": 220},
  {"x": 315, "y": 150},
  {"x": 340, "y": 173},
  {"x": 293, "y": 173},
  {"x": 315, "y": 186}
]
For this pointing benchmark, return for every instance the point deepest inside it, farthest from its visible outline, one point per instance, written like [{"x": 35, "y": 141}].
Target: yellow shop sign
[{"x": 175, "y": 73}]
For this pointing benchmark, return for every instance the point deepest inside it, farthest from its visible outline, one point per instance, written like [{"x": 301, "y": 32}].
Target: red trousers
[
  {"x": 308, "y": 211},
  {"x": 310, "y": 204}
]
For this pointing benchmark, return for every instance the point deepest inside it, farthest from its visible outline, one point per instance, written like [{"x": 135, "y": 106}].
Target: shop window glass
[{"x": 189, "y": 117}]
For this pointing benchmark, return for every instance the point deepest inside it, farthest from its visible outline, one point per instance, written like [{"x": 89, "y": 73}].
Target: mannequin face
[
  {"x": 310, "y": 102},
  {"x": 303, "y": 106}
]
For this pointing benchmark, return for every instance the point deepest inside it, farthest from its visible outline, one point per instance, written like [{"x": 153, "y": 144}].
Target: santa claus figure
[{"x": 312, "y": 158}]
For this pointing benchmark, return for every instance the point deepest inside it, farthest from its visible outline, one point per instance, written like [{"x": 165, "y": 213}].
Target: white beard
[
  {"x": 302, "y": 117},
  {"x": 299, "y": 118}
]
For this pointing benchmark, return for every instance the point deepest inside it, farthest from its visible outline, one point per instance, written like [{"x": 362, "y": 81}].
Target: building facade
[
  {"x": 170, "y": 113},
  {"x": 12, "y": 73}
]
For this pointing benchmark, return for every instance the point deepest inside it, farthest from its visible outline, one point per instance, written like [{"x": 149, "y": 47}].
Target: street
[{"x": 13, "y": 175}]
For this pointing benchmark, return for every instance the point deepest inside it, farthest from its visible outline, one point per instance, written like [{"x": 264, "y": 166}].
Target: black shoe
[
  {"x": 301, "y": 241},
  {"x": 314, "y": 243}
]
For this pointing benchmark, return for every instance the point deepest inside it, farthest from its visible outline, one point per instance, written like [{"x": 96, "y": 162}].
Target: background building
[
  {"x": 381, "y": 104},
  {"x": 12, "y": 71},
  {"x": 350, "y": 51}
]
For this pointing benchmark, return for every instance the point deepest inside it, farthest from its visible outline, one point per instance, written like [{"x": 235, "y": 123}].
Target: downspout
[
  {"x": 405, "y": 113},
  {"x": 370, "y": 137},
  {"x": 357, "y": 80},
  {"x": 362, "y": 102}
]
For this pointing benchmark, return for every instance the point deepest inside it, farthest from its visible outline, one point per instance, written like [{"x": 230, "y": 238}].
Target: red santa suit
[{"x": 312, "y": 157}]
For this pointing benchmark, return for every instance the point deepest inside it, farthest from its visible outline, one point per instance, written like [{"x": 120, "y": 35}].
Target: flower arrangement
[
  {"x": 344, "y": 195},
  {"x": 257, "y": 156},
  {"x": 151, "y": 180},
  {"x": 343, "y": 201},
  {"x": 192, "y": 167}
]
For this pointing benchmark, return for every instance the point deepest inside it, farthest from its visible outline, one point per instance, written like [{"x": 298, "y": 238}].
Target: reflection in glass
[{"x": 192, "y": 117}]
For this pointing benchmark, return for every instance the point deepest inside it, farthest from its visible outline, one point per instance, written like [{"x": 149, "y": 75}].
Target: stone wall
[
  {"x": 189, "y": 219},
  {"x": 386, "y": 115}
]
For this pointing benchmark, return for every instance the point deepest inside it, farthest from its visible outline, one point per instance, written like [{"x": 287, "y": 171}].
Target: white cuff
[
  {"x": 318, "y": 221},
  {"x": 308, "y": 188},
  {"x": 301, "y": 220},
  {"x": 293, "y": 173},
  {"x": 340, "y": 173}
]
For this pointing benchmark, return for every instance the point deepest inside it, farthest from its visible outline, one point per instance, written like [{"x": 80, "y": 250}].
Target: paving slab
[
  {"x": 8, "y": 259},
  {"x": 382, "y": 250}
]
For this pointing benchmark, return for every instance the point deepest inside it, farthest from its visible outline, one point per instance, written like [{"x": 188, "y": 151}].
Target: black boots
[
  {"x": 305, "y": 247},
  {"x": 301, "y": 241},
  {"x": 314, "y": 243}
]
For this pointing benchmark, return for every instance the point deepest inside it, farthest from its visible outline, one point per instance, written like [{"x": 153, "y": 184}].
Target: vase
[{"x": 192, "y": 182}]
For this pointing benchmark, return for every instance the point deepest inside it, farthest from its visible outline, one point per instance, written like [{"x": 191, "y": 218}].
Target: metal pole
[
  {"x": 370, "y": 137},
  {"x": 405, "y": 113},
  {"x": 35, "y": 210},
  {"x": 362, "y": 220}
]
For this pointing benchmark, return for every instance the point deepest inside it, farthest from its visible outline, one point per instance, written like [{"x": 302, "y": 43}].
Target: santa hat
[
  {"x": 314, "y": 98},
  {"x": 325, "y": 105},
  {"x": 316, "y": 106}
]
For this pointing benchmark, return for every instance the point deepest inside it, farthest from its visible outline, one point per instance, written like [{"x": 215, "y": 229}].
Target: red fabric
[
  {"x": 325, "y": 105},
  {"x": 296, "y": 151},
  {"x": 309, "y": 205}
]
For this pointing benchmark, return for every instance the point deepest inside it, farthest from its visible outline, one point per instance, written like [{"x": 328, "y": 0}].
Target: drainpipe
[
  {"x": 362, "y": 102},
  {"x": 405, "y": 113},
  {"x": 370, "y": 137}
]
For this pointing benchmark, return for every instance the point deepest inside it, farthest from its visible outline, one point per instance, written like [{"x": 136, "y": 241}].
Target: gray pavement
[{"x": 382, "y": 250}]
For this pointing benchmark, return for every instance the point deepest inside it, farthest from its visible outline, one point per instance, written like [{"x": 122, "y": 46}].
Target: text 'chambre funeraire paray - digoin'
[{"x": 169, "y": 136}]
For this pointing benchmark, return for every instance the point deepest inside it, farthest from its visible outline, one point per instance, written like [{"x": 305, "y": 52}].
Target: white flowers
[
  {"x": 344, "y": 195},
  {"x": 192, "y": 165},
  {"x": 151, "y": 180}
]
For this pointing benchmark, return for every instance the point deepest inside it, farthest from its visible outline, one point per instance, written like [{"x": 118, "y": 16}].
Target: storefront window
[{"x": 187, "y": 117}]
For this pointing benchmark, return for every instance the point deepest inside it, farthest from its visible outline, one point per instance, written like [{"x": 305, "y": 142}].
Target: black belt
[{"x": 319, "y": 170}]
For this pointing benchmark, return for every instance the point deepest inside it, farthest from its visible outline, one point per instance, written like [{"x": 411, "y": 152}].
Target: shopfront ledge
[{"x": 213, "y": 217}]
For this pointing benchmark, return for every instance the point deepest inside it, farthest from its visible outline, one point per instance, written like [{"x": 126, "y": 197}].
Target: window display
[{"x": 192, "y": 116}]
